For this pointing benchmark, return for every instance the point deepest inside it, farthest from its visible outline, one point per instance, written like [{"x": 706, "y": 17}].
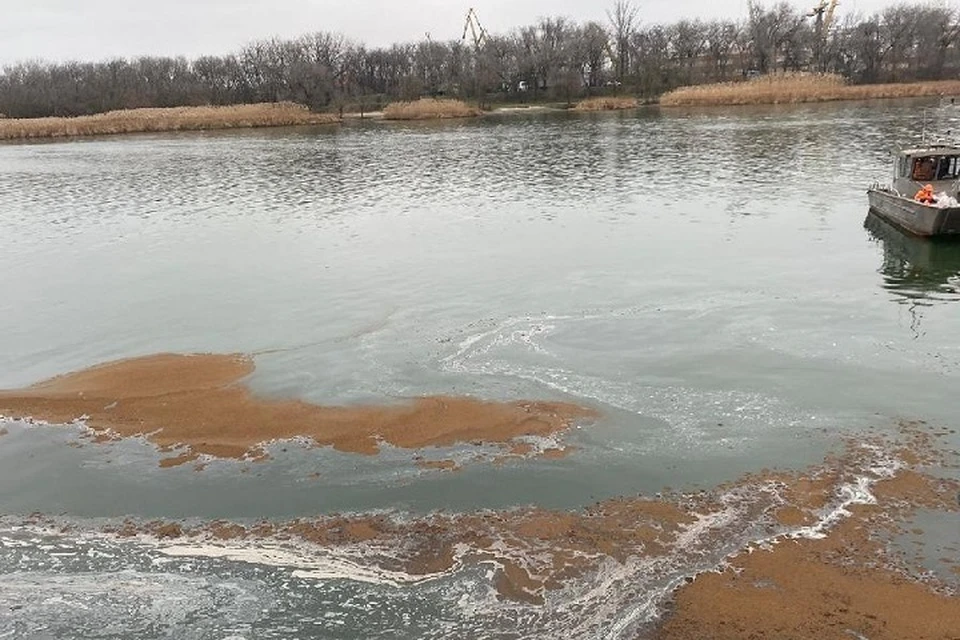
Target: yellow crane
[
  {"x": 824, "y": 13},
  {"x": 477, "y": 32},
  {"x": 828, "y": 17}
]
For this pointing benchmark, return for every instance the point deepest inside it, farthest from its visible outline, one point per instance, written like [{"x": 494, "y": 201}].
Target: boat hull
[{"x": 912, "y": 216}]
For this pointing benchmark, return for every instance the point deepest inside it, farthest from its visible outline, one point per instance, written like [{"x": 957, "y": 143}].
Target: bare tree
[
  {"x": 937, "y": 35},
  {"x": 554, "y": 57},
  {"x": 723, "y": 40},
  {"x": 591, "y": 44},
  {"x": 771, "y": 33},
  {"x": 689, "y": 40},
  {"x": 650, "y": 65},
  {"x": 897, "y": 31},
  {"x": 623, "y": 20},
  {"x": 867, "y": 46}
]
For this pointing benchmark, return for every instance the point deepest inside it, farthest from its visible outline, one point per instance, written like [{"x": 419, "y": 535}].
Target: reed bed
[
  {"x": 607, "y": 103},
  {"x": 429, "y": 109},
  {"x": 793, "y": 88},
  {"x": 164, "y": 119}
]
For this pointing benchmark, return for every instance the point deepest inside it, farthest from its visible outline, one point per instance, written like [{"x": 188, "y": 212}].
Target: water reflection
[{"x": 919, "y": 271}]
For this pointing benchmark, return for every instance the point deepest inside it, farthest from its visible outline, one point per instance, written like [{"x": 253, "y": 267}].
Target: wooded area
[{"x": 554, "y": 59}]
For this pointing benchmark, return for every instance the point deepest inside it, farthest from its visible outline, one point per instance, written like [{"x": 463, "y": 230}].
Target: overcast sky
[{"x": 99, "y": 29}]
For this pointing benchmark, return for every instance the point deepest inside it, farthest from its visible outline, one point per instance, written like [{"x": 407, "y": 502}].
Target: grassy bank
[
  {"x": 607, "y": 103},
  {"x": 429, "y": 109},
  {"x": 793, "y": 88},
  {"x": 165, "y": 119}
]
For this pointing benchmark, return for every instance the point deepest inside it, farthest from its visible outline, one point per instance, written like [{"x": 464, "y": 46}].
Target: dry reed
[
  {"x": 608, "y": 103},
  {"x": 164, "y": 119},
  {"x": 792, "y": 88},
  {"x": 429, "y": 109}
]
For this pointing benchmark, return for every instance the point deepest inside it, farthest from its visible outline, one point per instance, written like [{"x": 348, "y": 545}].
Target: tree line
[{"x": 553, "y": 59}]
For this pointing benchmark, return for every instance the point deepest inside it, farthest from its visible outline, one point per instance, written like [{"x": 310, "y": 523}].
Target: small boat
[{"x": 936, "y": 165}]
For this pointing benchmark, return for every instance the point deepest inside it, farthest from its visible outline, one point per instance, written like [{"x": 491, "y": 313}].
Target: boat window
[
  {"x": 949, "y": 168},
  {"x": 924, "y": 169}
]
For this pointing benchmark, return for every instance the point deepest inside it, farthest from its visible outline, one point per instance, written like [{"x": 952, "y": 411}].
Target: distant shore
[
  {"x": 800, "y": 88},
  {"x": 278, "y": 114},
  {"x": 766, "y": 90}
]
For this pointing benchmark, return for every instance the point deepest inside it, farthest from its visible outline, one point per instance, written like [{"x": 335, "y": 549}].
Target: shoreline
[
  {"x": 278, "y": 115},
  {"x": 166, "y": 119},
  {"x": 795, "y": 89}
]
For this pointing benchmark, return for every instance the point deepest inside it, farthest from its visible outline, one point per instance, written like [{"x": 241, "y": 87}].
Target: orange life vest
[{"x": 925, "y": 195}]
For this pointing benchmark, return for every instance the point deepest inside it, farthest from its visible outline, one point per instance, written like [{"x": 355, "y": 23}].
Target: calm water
[{"x": 705, "y": 279}]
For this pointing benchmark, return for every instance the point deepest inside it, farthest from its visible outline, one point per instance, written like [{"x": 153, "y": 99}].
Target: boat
[{"x": 936, "y": 165}]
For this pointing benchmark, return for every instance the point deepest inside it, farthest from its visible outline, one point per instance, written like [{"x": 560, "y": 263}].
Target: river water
[{"x": 707, "y": 280}]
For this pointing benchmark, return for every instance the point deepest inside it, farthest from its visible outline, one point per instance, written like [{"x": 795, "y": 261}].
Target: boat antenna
[{"x": 923, "y": 130}]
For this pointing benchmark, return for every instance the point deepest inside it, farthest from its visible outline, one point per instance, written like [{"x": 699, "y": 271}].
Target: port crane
[
  {"x": 477, "y": 32},
  {"x": 823, "y": 13}
]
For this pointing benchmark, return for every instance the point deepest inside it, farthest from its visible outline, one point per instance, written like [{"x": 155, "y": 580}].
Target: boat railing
[{"x": 885, "y": 187}]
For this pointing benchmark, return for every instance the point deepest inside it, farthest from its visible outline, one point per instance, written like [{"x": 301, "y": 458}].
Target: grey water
[{"x": 709, "y": 281}]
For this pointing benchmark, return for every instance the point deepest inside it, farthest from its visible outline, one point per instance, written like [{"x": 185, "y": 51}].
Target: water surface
[{"x": 707, "y": 280}]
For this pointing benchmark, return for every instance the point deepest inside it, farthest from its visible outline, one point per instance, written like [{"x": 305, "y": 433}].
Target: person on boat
[{"x": 925, "y": 195}]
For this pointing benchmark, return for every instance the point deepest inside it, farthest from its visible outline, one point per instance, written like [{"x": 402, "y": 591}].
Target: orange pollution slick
[
  {"x": 197, "y": 401},
  {"x": 790, "y": 555}
]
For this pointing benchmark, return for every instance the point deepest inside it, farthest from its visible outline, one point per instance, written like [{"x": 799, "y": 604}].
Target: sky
[{"x": 93, "y": 30}]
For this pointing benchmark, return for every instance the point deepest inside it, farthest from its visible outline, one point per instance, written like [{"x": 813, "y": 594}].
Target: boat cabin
[{"x": 934, "y": 165}]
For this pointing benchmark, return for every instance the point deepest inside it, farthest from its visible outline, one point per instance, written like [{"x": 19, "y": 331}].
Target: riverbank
[
  {"x": 800, "y": 88},
  {"x": 777, "y": 90},
  {"x": 151, "y": 120}
]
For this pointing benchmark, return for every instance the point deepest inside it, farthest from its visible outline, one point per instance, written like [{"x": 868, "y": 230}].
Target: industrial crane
[
  {"x": 823, "y": 13},
  {"x": 472, "y": 24}
]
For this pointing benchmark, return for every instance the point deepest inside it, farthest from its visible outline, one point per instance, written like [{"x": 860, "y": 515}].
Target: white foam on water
[
  {"x": 126, "y": 603},
  {"x": 691, "y": 536},
  {"x": 79, "y": 424},
  {"x": 613, "y": 598},
  {"x": 857, "y": 491},
  {"x": 307, "y": 561},
  {"x": 519, "y": 330},
  {"x": 687, "y": 409},
  {"x": 540, "y": 444},
  {"x": 30, "y": 421}
]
